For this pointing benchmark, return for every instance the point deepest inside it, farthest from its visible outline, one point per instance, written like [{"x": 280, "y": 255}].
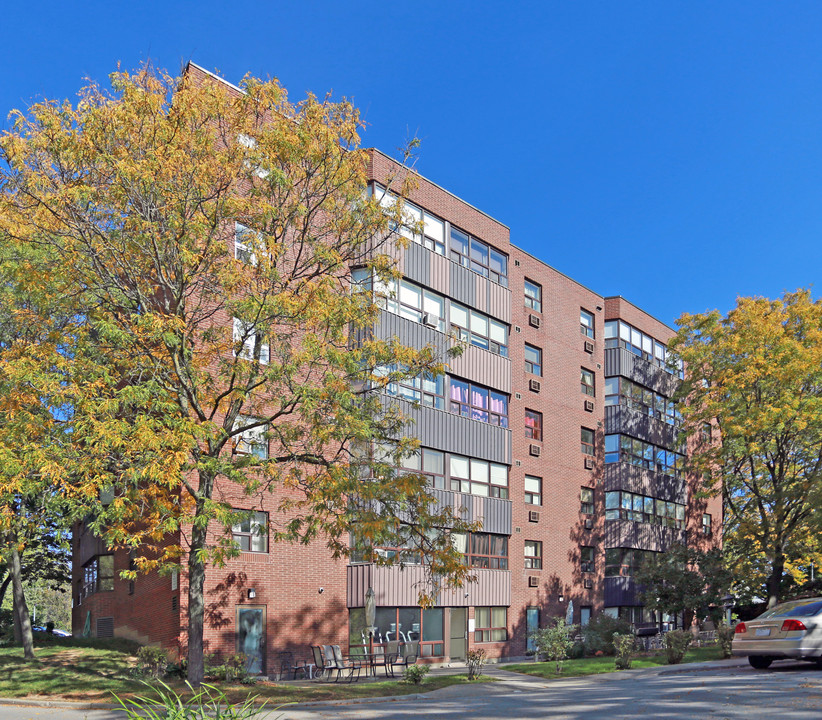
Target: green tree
[
  {"x": 685, "y": 580},
  {"x": 211, "y": 233},
  {"x": 755, "y": 379}
]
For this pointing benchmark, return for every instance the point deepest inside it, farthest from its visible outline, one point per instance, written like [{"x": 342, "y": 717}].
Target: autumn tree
[
  {"x": 210, "y": 233},
  {"x": 753, "y": 414}
]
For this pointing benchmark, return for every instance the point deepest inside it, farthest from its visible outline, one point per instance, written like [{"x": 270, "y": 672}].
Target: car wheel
[{"x": 760, "y": 662}]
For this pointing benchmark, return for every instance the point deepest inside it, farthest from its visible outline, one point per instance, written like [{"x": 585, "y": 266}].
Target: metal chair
[
  {"x": 405, "y": 655},
  {"x": 347, "y": 664},
  {"x": 289, "y": 667}
]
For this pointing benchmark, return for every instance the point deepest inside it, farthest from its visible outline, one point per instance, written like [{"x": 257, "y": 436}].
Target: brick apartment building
[{"x": 554, "y": 428}]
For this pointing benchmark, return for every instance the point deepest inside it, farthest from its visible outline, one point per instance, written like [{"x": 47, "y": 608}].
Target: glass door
[
  {"x": 251, "y": 637},
  {"x": 458, "y": 629}
]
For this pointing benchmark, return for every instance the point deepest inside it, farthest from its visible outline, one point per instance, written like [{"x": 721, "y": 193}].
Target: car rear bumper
[{"x": 781, "y": 648}]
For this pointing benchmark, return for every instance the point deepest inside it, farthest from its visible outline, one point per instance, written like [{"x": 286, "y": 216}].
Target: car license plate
[{"x": 763, "y": 632}]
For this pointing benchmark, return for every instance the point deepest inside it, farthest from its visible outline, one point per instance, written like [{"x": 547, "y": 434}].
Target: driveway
[{"x": 711, "y": 691}]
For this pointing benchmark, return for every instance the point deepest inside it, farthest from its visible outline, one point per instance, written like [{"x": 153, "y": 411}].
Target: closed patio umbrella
[{"x": 370, "y": 615}]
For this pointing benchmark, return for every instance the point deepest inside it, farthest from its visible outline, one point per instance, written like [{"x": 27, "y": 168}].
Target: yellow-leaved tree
[
  {"x": 753, "y": 413},
  {"x": 209, "y": 235}
]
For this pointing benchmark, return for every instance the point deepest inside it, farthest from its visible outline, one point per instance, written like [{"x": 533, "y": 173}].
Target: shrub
[
  {"x": 555, "y": 642},
  {"x": 577, "y": 652},
  {"x": 624, "y": 645},
  {"x": 206, "y": 702},
  {"x": 599, "y": 633},
  {"x": 725, "y": 636},
  {"x": 676, "y": 645},
  {"x": 151, "y": 661},
  {"x": 414, "y": 674},
  {"x": 475, "y": 659}
]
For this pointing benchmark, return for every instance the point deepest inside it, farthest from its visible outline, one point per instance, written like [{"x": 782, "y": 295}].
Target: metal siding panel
[
  {"x": 481, "y": 293},
  {"x": 621, "y": 419},
  {"x": 483, "y": 367},
  {"x": 499, "y": 302},
  {"x": 462, "y": 285},
  {"x": 619, "y": 361},
  {"x": 622, "y": 476},
  {"x": 417, "y": 264}
]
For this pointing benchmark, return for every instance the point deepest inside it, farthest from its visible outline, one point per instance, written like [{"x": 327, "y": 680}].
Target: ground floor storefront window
[{"x": 403, "y": 624}]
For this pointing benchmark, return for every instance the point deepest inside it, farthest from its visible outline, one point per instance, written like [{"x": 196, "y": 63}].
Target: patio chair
[
  {"x": 289, "y": 667},
  {"x": 345, "y": 664},
  {"x": 405, "y": 655}
]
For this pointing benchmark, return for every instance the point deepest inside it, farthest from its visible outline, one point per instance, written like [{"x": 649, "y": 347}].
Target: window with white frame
[
  {"x": 533, "y": 555},
  {"x": 412, "y": 302},
  {"x": 479, "y": 256},
  {"x": 621, "y": 334},
  {"x": 425, "y": 390},
  {"x": 250, "y": 532},
  {"x": 478, "y": 477},
  {"x": 533, "y": 490},
  {"x": 247, "y": 243},
  {"x": 479, "y": 329},
  {"x": 433, "y": 229},
  {"x": 247, "y": 340},
  {"x": 251, "y": 440},
  {"x": 586, "y": 323},
  {"x": 533, "y": 296},
  {"x": 478, "y": 402}
]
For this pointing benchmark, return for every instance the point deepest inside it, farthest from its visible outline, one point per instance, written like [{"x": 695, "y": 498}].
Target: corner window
[
  {"x": 414, "y": 218},
  {"x": 490, "y": 624},
  {"x": 98, "y": 576},
  {"x": 426, "y": 390},
  {"x": 586, "y": 323},
  {"x": 533, "y": 555},
  {"x": 533, "y": 490},
  {"x": 533, "y": 296},
  {"x": 483, "y": 550},
  {"x": 248, "y": 344},
  {"x": 478, "y": 329},
  {"x": 533, "y": 425},
  {"x": 250, "y": 532},
  {"x": 587, "y": 382},
  {"x": 587, "y": 438},
  {"x": 533, "y": 360},
  {"x": 250, "y": 440}
]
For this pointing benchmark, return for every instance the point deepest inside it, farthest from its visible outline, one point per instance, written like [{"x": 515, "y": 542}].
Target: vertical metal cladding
[
  {"x": 461, "y": 285},
  {"x": 619, "y": 361},
  {"x": 643, "y": 536},
  {"x": 621, "y": 419},
  {"x": 622, "y": 476},
  {"x": 417, "y": 265},
  {"x": 494, "y": 513}
]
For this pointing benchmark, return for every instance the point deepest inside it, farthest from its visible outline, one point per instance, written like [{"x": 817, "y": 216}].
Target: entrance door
[
  {"x": 531, "y": 624},
  {"x": 251, "y": 637},
  {"x": 458, "y": 628}
]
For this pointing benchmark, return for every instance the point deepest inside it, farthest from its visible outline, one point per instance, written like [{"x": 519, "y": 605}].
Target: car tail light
[
  {"x": 792, "y": 625},
  {"x": 740, "y": 628}
]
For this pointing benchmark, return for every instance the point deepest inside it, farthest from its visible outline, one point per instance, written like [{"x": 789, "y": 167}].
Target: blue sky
[{"x": 669, "y": 152}]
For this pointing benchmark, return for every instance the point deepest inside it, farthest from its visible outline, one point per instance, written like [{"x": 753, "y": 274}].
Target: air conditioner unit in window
[
  {"x": 533, "y": 516},
  {"x": 589, "y": 463},
  {"x": 589, "y": 346},
  {"x": 533, "y": 581},
  {"x": 534, "y": 385},
  {"x": 588, "y": 584},
  {"x": 533, "y": 320},
  {"x": 430, "y": 320},
  {"x": 589, "y": 523},
  {"x": 589, "y": 406},
  {"x": 534, "y": 450}
]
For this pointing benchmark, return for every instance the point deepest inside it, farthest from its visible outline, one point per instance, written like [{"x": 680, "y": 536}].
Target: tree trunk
[
  {"x": 775, "y": 580},
  {"x": 196, "y": 604},
  {"x": 21, "y": 611},
  {"x": 3, "y": 587}
]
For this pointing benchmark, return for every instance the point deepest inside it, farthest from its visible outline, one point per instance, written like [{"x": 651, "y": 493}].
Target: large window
[
  {"x": 477, "y": 329},
  {"x": 479, "y": 256},
  {"x": 621, "y": 334},
  {"x": 533, "y": 360},
  {"x": 533, "y": 296},
  {"x": 586, "y": 323},
  {"x": 587, "y": 441},
  {"x": 533, "y": 555},
  {"x": 251, "y": 440},
  {"x": 430, "y": 463},
  {"x": 98, "y": 576},
  {"x": 424, "y": 390},
  {"x": 414, "y": 218},
  {"x": 490, "y": 624},
  {"x": 533, "y": 490},
  {"x": 622, "y": 505},
  {"x": 587, "y": 382},
  {"x": 483, "y": 550},
  {"x": 624, "y": 562},
  {"x": 533, "y": 424},
  {"x": 621, "y": 391},
  {"x": 479, "y": 403},
  {"x": 478, "y": 477},
  {"x": 248, "y": 343},
  {"x": 250, "y": 532},
  {"x": 399, "y": 624},
  {"x": 622, "y": 448},
  {"x": 412, "y": 302}
]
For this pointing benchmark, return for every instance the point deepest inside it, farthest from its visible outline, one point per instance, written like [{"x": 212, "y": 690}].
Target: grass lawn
[
  {"x": 92, "y": 670},
  {"x": 597, "y": 665}
]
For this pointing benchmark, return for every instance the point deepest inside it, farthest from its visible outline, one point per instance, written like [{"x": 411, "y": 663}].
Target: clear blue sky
[{"x": 669, "y": 152}]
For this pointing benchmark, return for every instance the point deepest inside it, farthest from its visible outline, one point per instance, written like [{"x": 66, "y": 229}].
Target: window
[
  {"x": 587, "y": 382},
  {"x": 622, "y": 505},
  {"x": 250, "y": 532},
  {"x": 247, "y": 243},
  {"x": 621, "y": 448},
  {"x": 251, "y": 440},
  {"x": 706, "y": 432},
  {"x": 483, "y": 550},
  {"x": 98, "y": 576},
  {"x": 621, "y": 334},
  {"x": 397, "y": 623},
  {"x": 412, "y": 302},
  {"x": 586, "y": 501},
  {"x": 706, "y": 524},
  {"x": 533, "y": 555},
  {"x": 479, "y": 403},
  {"x": 586, "y": 323},
  {"x": 477, "y": 329},
  {"x": 490, "y": 624},
  {"x": 433, "y": 235},
  {"x": 587, "y": 438},
  {"x": 251, "y": 346},
  {"x": 620, "y": 391},
  {"x": 586, "y": 559},
  {"x": 533, "y": 490},
  {"x": 478, "y": 256},
  {"x": 533, "y": 360},
  {"x": 478, "y": 477},
  {"x": 624, "y": 561},
  {"x": 533, "y": 425},
  {"x": 424, "y": 390},
  {"x": 533, "y": 296},
  {"x": 430, "y": 463}
]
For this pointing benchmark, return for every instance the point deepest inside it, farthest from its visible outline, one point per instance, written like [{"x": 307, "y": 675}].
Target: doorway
[{"x": 457, "y": 632}]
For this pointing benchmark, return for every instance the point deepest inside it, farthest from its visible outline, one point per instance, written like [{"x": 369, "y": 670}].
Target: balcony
[
  {"x": 639, "y": 480},
  {"x": 494, "y": 513},
  {"x": 640, "y": 535},
  {"x": 619, "y": 361},
  {"x": 400, "y": 587},
  {"x": 620, "y": 591},
  {"x": 622, "y": 419}
]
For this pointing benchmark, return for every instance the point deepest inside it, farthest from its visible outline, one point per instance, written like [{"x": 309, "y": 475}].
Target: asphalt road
[{"x": 791, "y": 691}]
